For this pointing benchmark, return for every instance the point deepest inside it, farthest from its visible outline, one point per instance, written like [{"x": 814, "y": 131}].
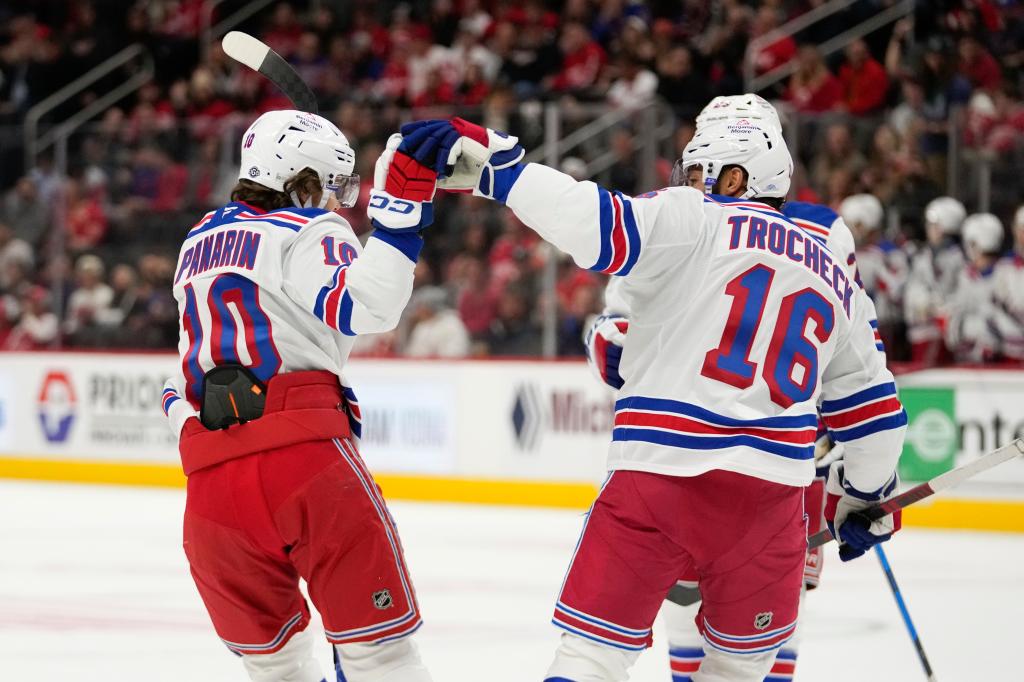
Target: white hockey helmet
[
  {"x": 279, "y": 144},
  {"x": 760, "y": 151},
  {"x": 863, "y": 211},
  {"x": 984, "y": 232},
  {"x": 947, "y": 213},
  {"x": 749, "y": 106}
]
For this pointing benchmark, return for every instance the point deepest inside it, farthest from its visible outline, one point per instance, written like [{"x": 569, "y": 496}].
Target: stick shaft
[
  {"x": 904, "y": 612},
  {"x": 929, "y": 488}
]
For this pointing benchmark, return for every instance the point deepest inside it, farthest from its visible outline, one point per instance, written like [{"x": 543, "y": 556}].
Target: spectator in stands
[
  {"x": 37, "y": 325},
  {"x": 85, "y": 218},
  {"x": 512, "y": 331},
  {"x": 477, "y": 300},
  {"x": 25, "y": 212},
  {"x": 978, "y": 65},
  {"x": 89, "y": 303},
  {"x": 838, "y": 153},
  {"x": 634, "y": 88},
  {"x": 775, "y": 54},
  {"x": 812, "y": 87},
  {"x": 13, "y": 250},
  {"x": 684, "y": 88},
  {"x": 865, "y": 84},
  {"x": 582, "y": 60},
  {"x": 437, "y": 330}
]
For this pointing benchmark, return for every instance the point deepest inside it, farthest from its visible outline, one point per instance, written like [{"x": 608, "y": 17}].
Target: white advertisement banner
[{"x": 528, "y": 420}]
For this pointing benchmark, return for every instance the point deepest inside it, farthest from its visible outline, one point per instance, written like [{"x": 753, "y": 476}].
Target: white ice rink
[{"x": 94, "y": 588}]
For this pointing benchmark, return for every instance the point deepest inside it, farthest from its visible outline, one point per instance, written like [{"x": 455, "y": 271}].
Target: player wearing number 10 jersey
[
  {"x": 740, "y": 320},
  {"x": 272, "y": 289}
]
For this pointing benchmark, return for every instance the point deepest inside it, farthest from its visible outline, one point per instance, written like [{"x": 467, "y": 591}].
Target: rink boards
[{"x": 497, "y": 432}]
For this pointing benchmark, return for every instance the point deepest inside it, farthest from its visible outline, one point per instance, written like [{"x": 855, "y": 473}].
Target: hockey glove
[
  {"x": 466, "y": 157},
  {"x": 604, "y": 342},
  {"x": 856, "y": 532},
  {"x": 403, "y": 191}
]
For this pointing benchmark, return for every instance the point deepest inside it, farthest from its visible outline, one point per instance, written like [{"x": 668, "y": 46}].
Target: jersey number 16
[{"x": 789, "y": 349}]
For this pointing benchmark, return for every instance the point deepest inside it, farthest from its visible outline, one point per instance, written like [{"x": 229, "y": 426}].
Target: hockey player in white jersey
[
  {"x": 970, "y": 330},
  {"x": 604, "y": 347},
  {"x": 881, "y": 265},
  {"x": 1008, "y": 296},
  {"x": 272, "y": 290},
  {"x": 934, "y": 271},
  {"x": 740, "y": 321}
]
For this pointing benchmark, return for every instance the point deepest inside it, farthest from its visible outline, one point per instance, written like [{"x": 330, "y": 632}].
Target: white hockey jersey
[
  {"x": 739, "y": 321},
  {"x": 883, "y": 269},
  {"x": 281, "y": 291},
  {"x": 1008, "y": 306},
  {"x": 930, "y": 284},
  {"x": 971, "y": 311}
]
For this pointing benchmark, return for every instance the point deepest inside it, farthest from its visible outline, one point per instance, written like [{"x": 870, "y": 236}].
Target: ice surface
[{"x": 94, "y": 588}]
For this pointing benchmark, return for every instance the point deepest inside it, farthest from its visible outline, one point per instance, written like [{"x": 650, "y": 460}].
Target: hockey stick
[
  {"x": 929, "y": 488},
  {"x": 255, "y": 54},
  {"x": 902, "y": 605},
  {"x": 684, "y": 596}
]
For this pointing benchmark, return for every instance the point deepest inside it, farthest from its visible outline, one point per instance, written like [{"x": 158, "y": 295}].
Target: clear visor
[
  {"x": 683, "y": 169},
  {"x": 345, "y": 189}
]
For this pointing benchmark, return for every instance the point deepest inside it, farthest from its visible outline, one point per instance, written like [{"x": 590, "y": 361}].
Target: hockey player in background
[
  {"x": 881, "y": 264},
  {"x": 970, "y": 332},
  {"x": 739, "y": 321},
  {"x": 1008, "y": 296},
  {"x": 604, "y": 343},
  {"x": 272, "y": 289},
  {"x": 934, "y": 271}
]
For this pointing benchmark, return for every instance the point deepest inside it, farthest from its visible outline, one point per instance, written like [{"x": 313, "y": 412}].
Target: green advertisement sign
[{"x": 932, "y": 434}]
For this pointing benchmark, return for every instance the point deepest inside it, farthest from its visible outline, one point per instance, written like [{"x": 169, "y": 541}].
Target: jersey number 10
[{"x": 789, "y": 348}]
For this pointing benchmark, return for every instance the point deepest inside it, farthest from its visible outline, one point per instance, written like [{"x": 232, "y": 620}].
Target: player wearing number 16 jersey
[
  {"x": 740, "y": 321},
  {"x": 272, "y": 289}
]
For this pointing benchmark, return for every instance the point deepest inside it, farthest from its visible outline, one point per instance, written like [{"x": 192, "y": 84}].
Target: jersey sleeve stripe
[
  {"x": 605, "y": 220},
  {"x": 319, "y": 308},
  {"x": 619, "y": 242},
  {"x": 632, "y": 235},
  {"x": 861, "y": 397},
  {"x": 170, "y": 397},
  {"x": 868, "y": 428},
  {"x": 345, "y": 314}
]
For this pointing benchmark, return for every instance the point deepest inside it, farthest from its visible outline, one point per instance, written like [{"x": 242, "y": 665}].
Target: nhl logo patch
[
  {"x": 763, "y": 620},
  {"x": 254, "y": 172},
  {"x": 382, "y": 600}
]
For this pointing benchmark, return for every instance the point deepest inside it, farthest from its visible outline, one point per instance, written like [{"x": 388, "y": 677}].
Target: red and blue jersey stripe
[
  {"x": 293, "y": 219},
  {"x": 333, "y": 304},
  {"x": 687, "y": 426},
  {"x": 355, "y": 415},
  {"x": 620, "y": 236},
  {"x": 748, "y": 644},
  {"x": 878, "y": 337},
  {"x": 864, "y": 413}
]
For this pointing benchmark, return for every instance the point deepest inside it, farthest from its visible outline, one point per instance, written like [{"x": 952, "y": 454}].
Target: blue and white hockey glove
[
  {"x": 604, "y": 342},
  {"x": 466, "y": 157},
  {"x": 401, "y": 200},
  {"x": 857, "y": 534}
]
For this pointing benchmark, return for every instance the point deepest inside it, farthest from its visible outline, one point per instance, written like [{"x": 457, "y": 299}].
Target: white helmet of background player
[
  {"x": 863, "y": 213},
  {"x": 945, "y": 213},
  {"x": 279, "y": 144},
  {"x": 760, "y": 151},
  {"x": 749, "y": 106},
  {"x": 982, "y": 234}
]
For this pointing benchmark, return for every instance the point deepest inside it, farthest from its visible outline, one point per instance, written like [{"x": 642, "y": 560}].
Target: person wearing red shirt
[
  {"x": 813, "y": 88},
  {"x": 865, "y": 83},
  {"x": 582, "y": 60},
  {"x": 978, "y": 66}
]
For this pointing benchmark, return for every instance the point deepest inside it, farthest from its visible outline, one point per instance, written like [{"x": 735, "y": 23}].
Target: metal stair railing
[
  {"x": 35, "y": 143},
  {"x": 755, "y": 83}
]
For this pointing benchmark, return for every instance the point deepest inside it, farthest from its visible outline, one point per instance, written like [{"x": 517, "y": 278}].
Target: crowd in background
[{"x": 86, "y": 255}]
